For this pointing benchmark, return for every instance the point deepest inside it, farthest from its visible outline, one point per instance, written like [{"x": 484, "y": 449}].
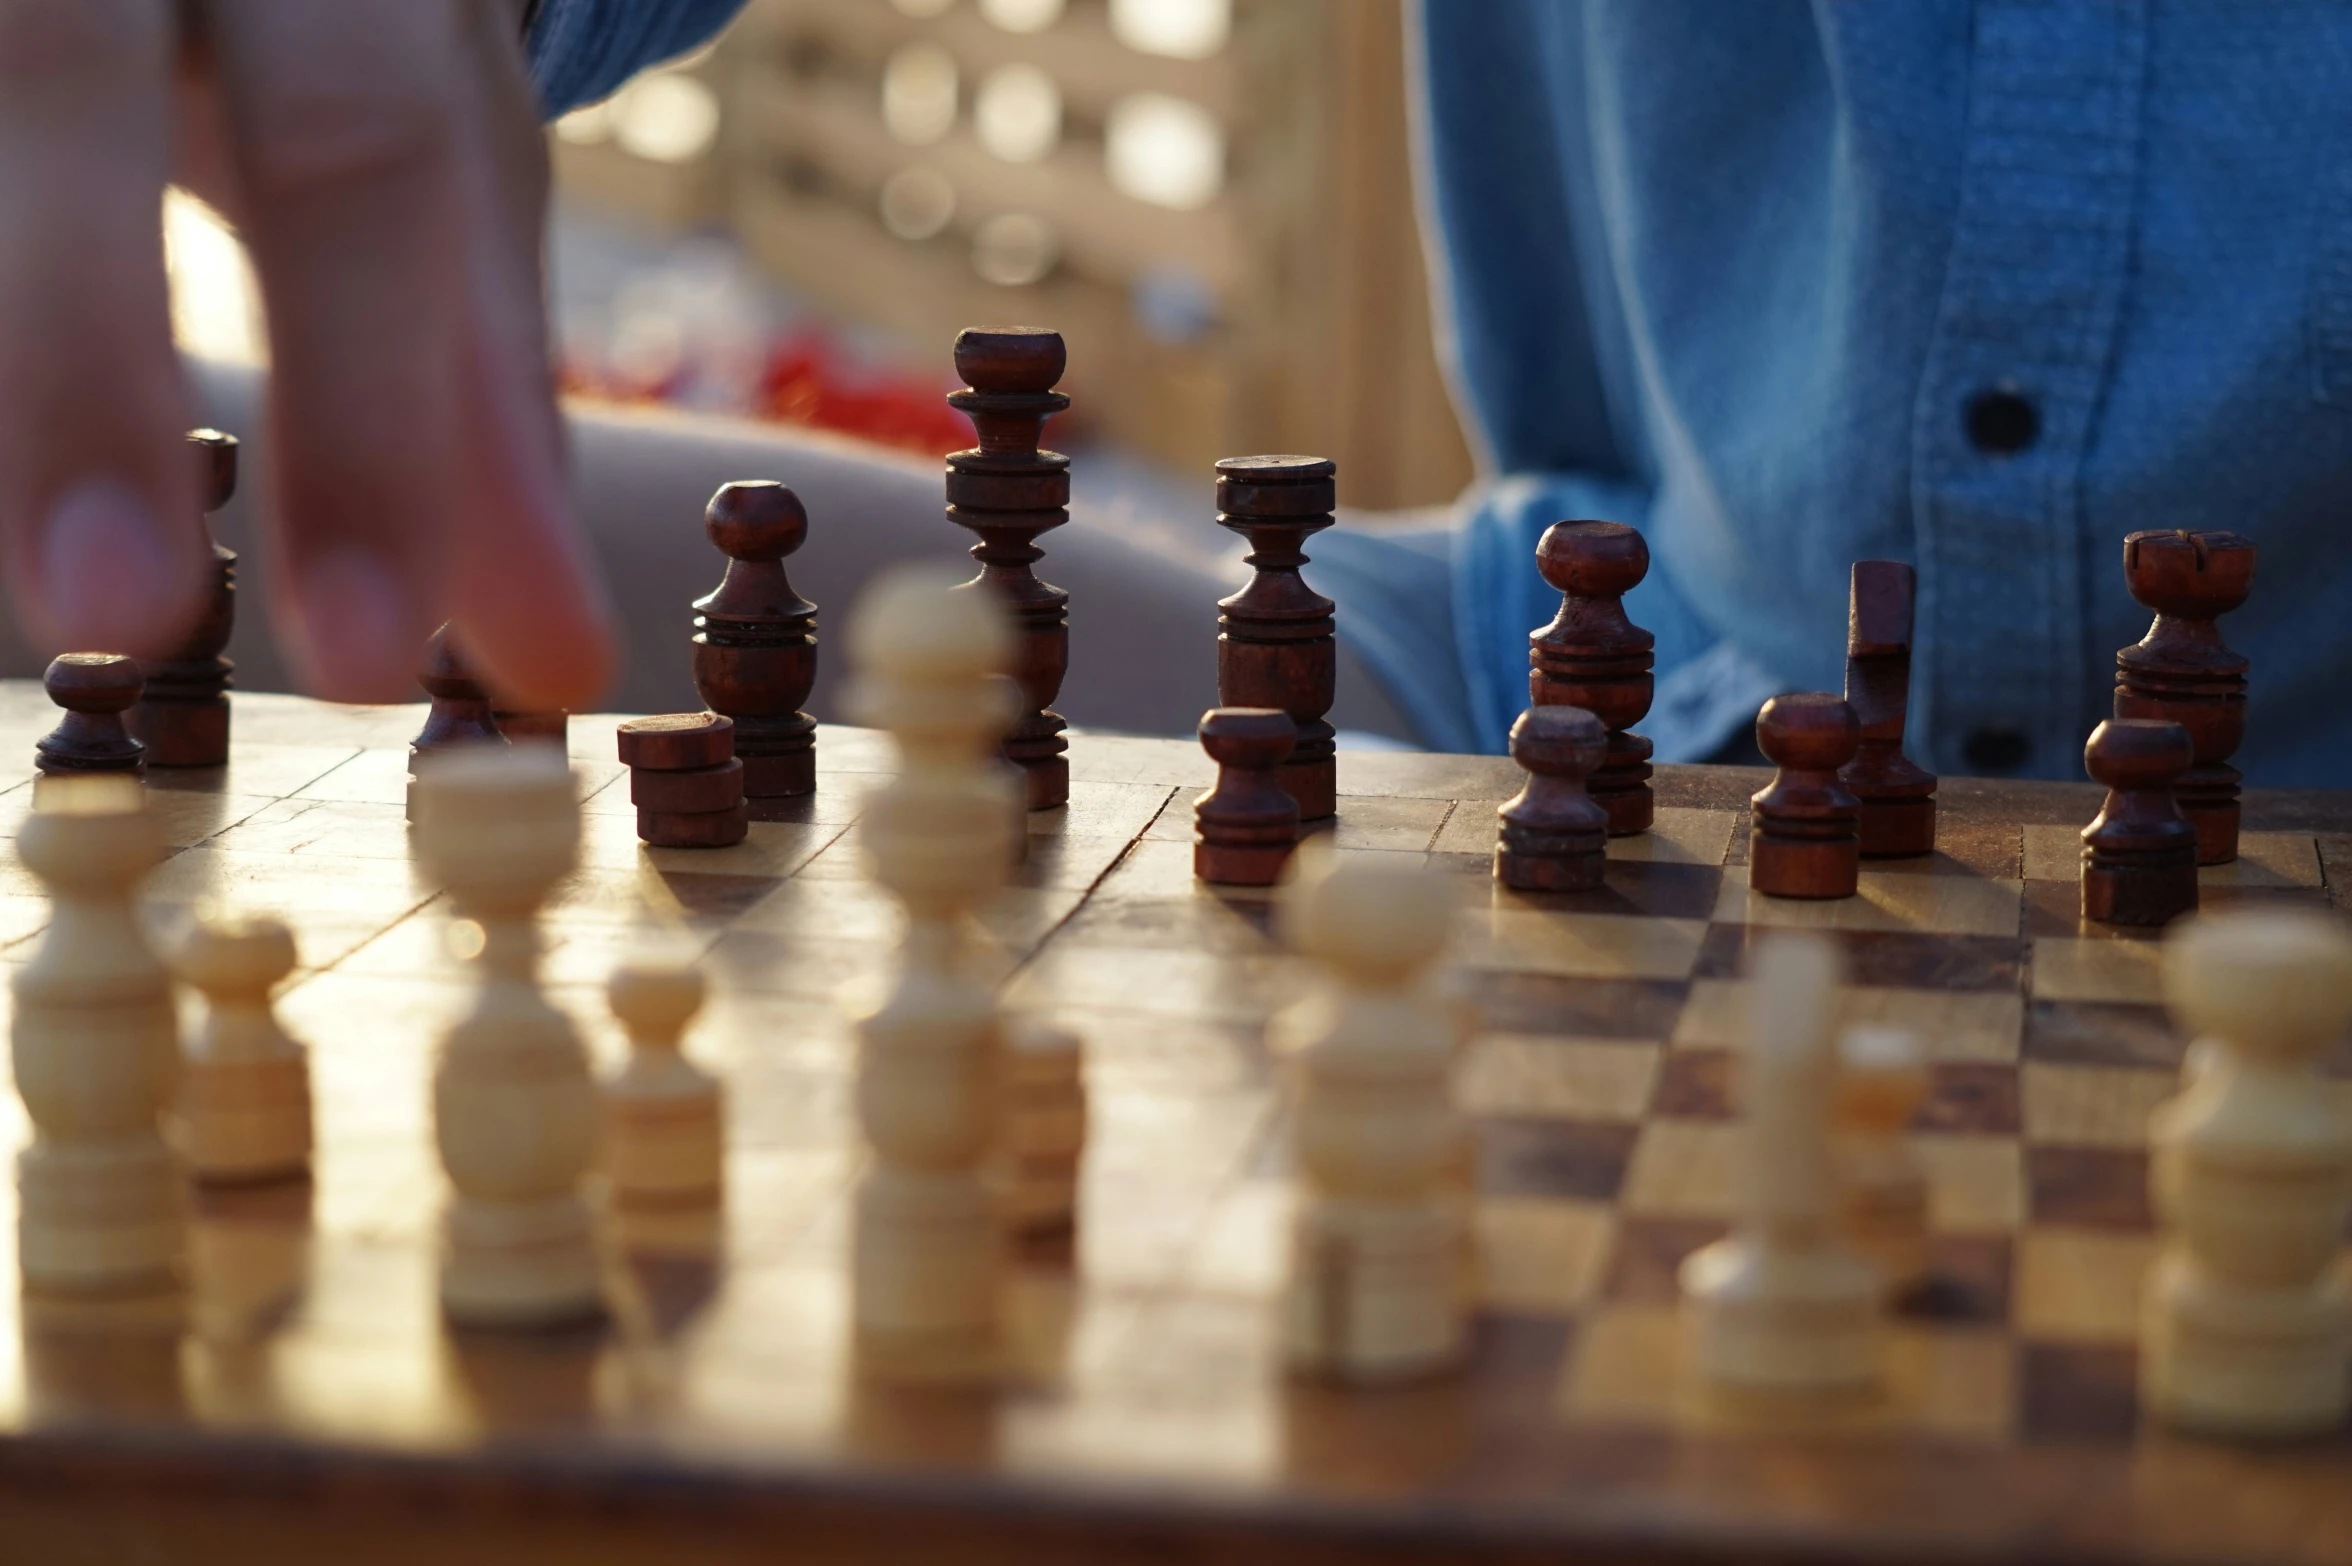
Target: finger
[
  {"x": 341, "y": 132},
  {"x": 523, "y": 588},
  {"x": 97, "y": 499}
]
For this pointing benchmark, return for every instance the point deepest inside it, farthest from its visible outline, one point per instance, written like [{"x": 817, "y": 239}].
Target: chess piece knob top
[
  {"x": 231, "y": 953},
  {"x": 2135, "y": 753},
  {"x": 2196, "y": 575},
  {"x": 1015, "y": 359},
  {"x": 1378, "y": 924},
  {"x": 1593, "y": 559},
  {"x": 1559, "y": 742},
  {"x": 94, "y": 682},
  {"x": 756, "y": 519},
  {"x": 216, "y": 466},
  {"x": 1808, "y": 732},
  {"x": 655, "y": 999},
  {"x": 2276, "y": 984},
  {"x": 1276, "y": 468},
  {"x": 1252, "y": 737}
]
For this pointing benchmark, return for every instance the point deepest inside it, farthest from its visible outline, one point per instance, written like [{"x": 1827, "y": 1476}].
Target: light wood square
[
  {"x": 1580, "y": 946},
  {"x": 1963, "y": 1025},
  {"x": 1976, "y": 1184},
  {"x": 2053, "y": 853},
  {"x": 1682, "y": 1168},
  {"x": 2081, "y": 1286},
  {"x": 2091, "y": 1106},
  {"x": 2268, "y": 859},
  {"x": 1884, "y": 900},
  {"x": 1541, "y": 1257},
  {"x": 1679, "y": 836},
  {"x": 1516, "y": 1074},
  {"x": 2067, "y": 969}
]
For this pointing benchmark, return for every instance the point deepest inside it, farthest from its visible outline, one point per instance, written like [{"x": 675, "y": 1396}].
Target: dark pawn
[
  {"x": 2183, "y": 673},
  {"x": 184, "y": 718},
  {"x": 685, "y": 781},
  {"x": 2139, "y": 854},
  {"x": 1897, "y": 795},
  {"x": 1007, "y": 490},
  {"x": 1592, "y": 656},
  {"x": 1553, "y": 833},
  {"x": 755, "y": 643},
  {"x": 95, "y": 689},
  {"x": 460, "y": 714},
  {"x": 1244, "y": 829},
  {"x": 1274, "y": 637},
  {"x": 1805, "y": 840}
]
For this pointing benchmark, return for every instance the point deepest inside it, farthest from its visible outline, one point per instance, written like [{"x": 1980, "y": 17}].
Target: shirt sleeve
[{"x": 583, "y": 50}]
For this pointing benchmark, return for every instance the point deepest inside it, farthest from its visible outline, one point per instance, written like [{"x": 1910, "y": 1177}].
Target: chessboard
[{"x": 306, "y": 1401}]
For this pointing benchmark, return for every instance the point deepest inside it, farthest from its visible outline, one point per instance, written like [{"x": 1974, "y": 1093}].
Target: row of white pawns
[{"x": 974, "y": 1124}]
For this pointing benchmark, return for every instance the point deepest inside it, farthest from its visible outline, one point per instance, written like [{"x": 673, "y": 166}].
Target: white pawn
[
  {"x": 1781, "y": 1305},
  {"x": 928, "y": 1240},
  {"x": 1378, "y": 1247},
  {"x": 1044, "y": 1131},
  {"x": 2246, "y": 1325},
  {"x": 515, "y": 1111},
  {"x": 96, "y": 1048},
  {"x": 244, "y": 1108},
  {"x": 665, "y": 1117},
  {"x": 1882, "y": 1191}
]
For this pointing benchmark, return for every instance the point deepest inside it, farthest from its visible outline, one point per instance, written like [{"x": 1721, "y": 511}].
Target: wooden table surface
[{"x": 306, "y": 1403}]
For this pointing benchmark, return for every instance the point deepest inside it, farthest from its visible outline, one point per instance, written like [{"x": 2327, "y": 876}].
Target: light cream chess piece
[
  {"x": 928, "y": 1243},
  {"x": 515, "y": 1110},
  {"x": 665, "y": 1117},
  {"x": 1782, "y": 1306},
  {"x": 1882, "y": 1191},
  {"x": 1044, "y": 1131},
  {"x": 101, "y": 1205},
  {"x": 244, "y": 1104},
  {"x": 1378, "y": 1246},
  {"x": 2246, "y": 1325}
]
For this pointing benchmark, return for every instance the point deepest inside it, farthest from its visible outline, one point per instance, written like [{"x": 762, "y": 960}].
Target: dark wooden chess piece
[
  {"x": 2182, "y": 672},
  {"x": 183, "y": 719},
  {"x": 1553, "y": 833},
  {"x": 2139, "y": 858},
  {"x": 95, "y": 689},
  {"x": 1244, "y": 829},
  {"x": 1592, "y": 656},
  {"x": 1274, "y": 637},
  {"x": 1805, "y": 840},
  {"x": 755, "y": 643},
  {"x": 1007, "y": 490},
  {"x": 460, "y": 711},
  {"x": 1897, "y": 794},
  {"x": 685, "y": 780}
]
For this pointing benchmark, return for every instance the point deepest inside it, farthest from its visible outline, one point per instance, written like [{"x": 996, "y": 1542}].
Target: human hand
[{"x": 383, "y": 160}]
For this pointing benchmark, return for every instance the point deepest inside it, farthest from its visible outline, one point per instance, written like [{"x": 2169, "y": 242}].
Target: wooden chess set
[{"x": 1557, "y": 1153}]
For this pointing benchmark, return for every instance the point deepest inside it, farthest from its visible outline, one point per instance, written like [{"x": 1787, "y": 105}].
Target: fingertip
[
  {"x": 110, "y": 577},
  {"x": 355, "y": 627}
]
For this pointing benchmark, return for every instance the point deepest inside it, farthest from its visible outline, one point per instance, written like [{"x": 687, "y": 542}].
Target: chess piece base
[
  {"x": 2145, "y": 890},
  {"x": 1528, "y": 859},
  {"x": 245, "y": 1120},
  {"x": 1235, "y": 864},
  {"x": 520, "y": 1264},
  {"x": 108, "y": 1218},
  {"x": 695, "y": 829},
  {"x": 1375, "y": 1292},
  {"x": 181, "y": 733},
  {"x": 1897, "y": 828},
  {"x": 666, "y": 1153},
  {"x": 2241, "y": 1362},
  {"x": 1797, "y": 1319},
  {"x": 1315, "y": 785},
  {"x": 926, "y": 1277},
  {"x": 1803, "y": 867},
  {"x": 1046, "y": 779}
]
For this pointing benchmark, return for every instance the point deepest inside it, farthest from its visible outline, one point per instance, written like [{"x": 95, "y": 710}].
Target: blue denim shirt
[
  {"x": 583, "y": 49},
  {"x": 1735, "y": 273}
]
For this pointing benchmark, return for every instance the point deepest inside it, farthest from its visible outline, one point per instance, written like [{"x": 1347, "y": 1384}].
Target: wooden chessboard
[{"x": 309, "y": 1404}]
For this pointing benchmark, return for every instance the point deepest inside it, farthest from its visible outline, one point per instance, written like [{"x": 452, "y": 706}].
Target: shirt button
[
  {"x": 1996, "y": 750},
  {"x": 2001, "y": 422}
]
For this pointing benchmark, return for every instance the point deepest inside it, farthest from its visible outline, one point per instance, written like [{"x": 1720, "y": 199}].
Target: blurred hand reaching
[{"x": 383, "y": 160}]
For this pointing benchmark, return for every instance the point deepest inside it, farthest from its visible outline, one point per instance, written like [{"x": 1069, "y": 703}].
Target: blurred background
[{"x": 1210, "y": 198}]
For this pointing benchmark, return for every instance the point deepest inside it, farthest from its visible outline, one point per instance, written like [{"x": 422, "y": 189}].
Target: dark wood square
[
  {"x": 2089, "y": 1187},
  {"x": 1695, "y": 1084},
  {"x": 1978, "y": 1097},
  {"x": 1574, "y": 1008},
  {"x": 1968, "y": 1281},
  {"x": 2077, "y": 1391},
  {"x": 1646, "y": 1253},
  {"x": 1887, "y": 959},
  {"x": 1579, "y": 1159}
]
